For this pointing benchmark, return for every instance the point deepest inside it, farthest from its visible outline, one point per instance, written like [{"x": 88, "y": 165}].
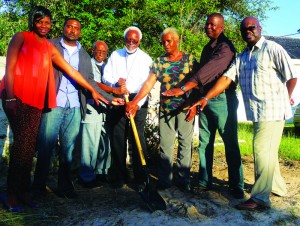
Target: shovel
[{"x": 150, "y": 196}]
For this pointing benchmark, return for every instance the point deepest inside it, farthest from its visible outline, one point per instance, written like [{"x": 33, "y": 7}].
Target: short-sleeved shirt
[
  {"x": 171, "y": 75},
  {"x": 262, "y": 73}
]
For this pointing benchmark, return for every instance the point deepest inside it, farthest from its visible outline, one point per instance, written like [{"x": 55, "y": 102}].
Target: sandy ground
[{"x": 105, "y": 206}]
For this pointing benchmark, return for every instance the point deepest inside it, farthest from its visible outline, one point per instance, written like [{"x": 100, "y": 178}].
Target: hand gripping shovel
[{"x": 151, "y": 197}]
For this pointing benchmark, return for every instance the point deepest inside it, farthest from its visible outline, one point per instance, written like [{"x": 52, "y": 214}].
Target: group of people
[{"x": 55, "y": 93}]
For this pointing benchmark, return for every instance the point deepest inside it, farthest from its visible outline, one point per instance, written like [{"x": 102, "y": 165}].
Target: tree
[{"x": 107, "y": 19}]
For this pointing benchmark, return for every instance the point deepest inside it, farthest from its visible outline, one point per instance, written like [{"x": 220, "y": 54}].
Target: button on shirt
[
  {"x": 67, "y": 90},
  {"x": 133, "y": 67},
  {"x": 262, "y": 73}
]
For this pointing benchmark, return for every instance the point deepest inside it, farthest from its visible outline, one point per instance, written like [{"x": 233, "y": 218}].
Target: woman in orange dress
[{"x": 28, "y": 85}]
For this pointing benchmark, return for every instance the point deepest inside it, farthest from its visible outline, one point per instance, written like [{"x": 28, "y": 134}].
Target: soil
[{"x": 103, "y": 205}]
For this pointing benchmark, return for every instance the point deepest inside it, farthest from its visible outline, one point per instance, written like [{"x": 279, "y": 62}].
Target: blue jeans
[
  {"x": 220, "y": 114},
  {"x": 95, "y": 150},
  {"x": 63, "y": 124}
]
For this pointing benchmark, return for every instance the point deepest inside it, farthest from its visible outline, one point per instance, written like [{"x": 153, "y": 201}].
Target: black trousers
[{"x": 119, "y": 130}]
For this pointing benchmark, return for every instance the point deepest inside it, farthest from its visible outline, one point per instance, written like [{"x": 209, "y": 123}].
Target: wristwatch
[{"x": 182, "y": 88}]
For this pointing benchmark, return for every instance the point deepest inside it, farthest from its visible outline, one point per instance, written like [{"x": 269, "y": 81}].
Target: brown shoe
[{"x": 250, "y": 204}]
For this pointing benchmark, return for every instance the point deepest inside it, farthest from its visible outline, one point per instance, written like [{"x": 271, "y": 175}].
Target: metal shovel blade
[{"x": 153, "y": 200}]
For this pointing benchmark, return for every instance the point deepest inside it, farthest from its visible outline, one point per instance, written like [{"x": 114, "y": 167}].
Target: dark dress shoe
[
  {"x": 140, "y": 187},
  {"x": 250, "y": 204},
  {"x": 71, "y": 194},
  {"x": 186, "y": 188},
  {"x": 90, "y": 184},
  {"x": 161, "y": 186},
  {"x": 102, "y": 178},
  {"x": 237, "y": 193},
  {"x": 117, "y": 184},
  {"x": 200, "y": 189}
]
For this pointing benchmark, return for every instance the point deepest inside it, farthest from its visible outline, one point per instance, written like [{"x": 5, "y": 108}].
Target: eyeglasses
[
  {"x": 129, "y": 41},
  {"x": 250, "y": 28}
]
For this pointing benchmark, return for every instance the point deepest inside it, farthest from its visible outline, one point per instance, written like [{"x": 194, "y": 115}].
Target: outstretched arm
[
  {"x": 222, "y": 83},
  {"x": 61, "y": 63},
  {"x": 180, "y": 91}
]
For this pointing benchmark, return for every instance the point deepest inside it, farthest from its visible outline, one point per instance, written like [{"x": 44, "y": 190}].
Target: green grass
[{"x": 289, "y": 146}]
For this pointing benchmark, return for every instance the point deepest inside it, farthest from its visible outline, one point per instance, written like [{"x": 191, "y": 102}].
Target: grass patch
[{"x": 289, "y": 146}]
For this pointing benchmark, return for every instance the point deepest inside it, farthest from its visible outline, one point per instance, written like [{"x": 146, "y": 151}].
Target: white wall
[{"x": 2, "y": 66}]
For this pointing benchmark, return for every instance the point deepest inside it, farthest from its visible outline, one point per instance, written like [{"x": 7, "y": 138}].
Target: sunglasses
[
  {"x": 129, "y": 41},
  {"x": 250, "y": 28}
]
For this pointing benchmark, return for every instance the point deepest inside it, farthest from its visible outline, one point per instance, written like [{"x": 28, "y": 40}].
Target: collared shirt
[
  {"x": 95, "y": 114},
  {"x": 133, "y": 67},
  {"x": 262, "y": 73},
  {"x": 215, "y": 59},
  {"x": 67, "y": 89},
  {"x": 96, "y": 71}
]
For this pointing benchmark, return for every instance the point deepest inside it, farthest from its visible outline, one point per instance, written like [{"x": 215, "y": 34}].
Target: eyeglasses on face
[
  {"x": 129, "y": 41},
  {"x": 250, "y": 28}
]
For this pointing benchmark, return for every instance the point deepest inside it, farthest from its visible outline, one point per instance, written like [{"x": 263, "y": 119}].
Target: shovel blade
[{"x": 153, "y": 200}]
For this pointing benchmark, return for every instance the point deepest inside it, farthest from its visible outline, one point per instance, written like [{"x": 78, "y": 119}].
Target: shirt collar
[
  {"x": 213, "y": 43},
  {"x": 259, "y": 43},
  {"x": 131, "y": 54},
  {"x": 64, "y": 44},
  {"x": 97, "y": 63}
]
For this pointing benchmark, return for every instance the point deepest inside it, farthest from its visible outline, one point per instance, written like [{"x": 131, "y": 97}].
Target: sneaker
[{"x": 9, "y": 207}]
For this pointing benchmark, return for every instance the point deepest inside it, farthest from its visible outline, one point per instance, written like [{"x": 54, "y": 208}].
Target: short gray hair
[
  {"x": 171, "y": 30},
  {"x": 133, "y": 28}
]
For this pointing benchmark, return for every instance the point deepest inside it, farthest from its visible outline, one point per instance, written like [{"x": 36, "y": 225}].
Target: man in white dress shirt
[{"x": 128, "y": 67}]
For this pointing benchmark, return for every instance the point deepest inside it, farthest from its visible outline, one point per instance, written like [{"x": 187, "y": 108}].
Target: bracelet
[
  {"x": 9, "y": 100},
  {"x": 204, "y": 98}
]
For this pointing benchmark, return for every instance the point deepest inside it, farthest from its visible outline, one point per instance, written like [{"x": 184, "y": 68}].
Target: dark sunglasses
[
  {"x": 129, "y": 41},
  {"x": 250, "y": 28}
]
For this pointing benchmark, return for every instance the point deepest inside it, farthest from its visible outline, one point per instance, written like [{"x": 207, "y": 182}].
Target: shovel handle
[{"x": 136, "y": 136}]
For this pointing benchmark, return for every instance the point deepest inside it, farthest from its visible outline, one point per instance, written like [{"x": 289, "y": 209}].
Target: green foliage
[
  {"x": 107, "y": 19},
  {"x": 289, "y": 145}
]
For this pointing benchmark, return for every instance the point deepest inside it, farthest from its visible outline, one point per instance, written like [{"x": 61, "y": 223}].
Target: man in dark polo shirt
[{"x": 221, "y": 112}]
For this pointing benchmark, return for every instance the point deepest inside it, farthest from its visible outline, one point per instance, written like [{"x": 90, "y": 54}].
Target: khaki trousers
[{"x": 266, "y": 141}]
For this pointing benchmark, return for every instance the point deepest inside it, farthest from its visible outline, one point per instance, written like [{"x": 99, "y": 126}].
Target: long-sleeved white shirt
[{"x": 135, "y": 68}]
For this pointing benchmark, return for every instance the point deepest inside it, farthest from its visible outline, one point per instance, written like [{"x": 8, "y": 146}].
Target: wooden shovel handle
[{"x": 136, "y": 136}]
